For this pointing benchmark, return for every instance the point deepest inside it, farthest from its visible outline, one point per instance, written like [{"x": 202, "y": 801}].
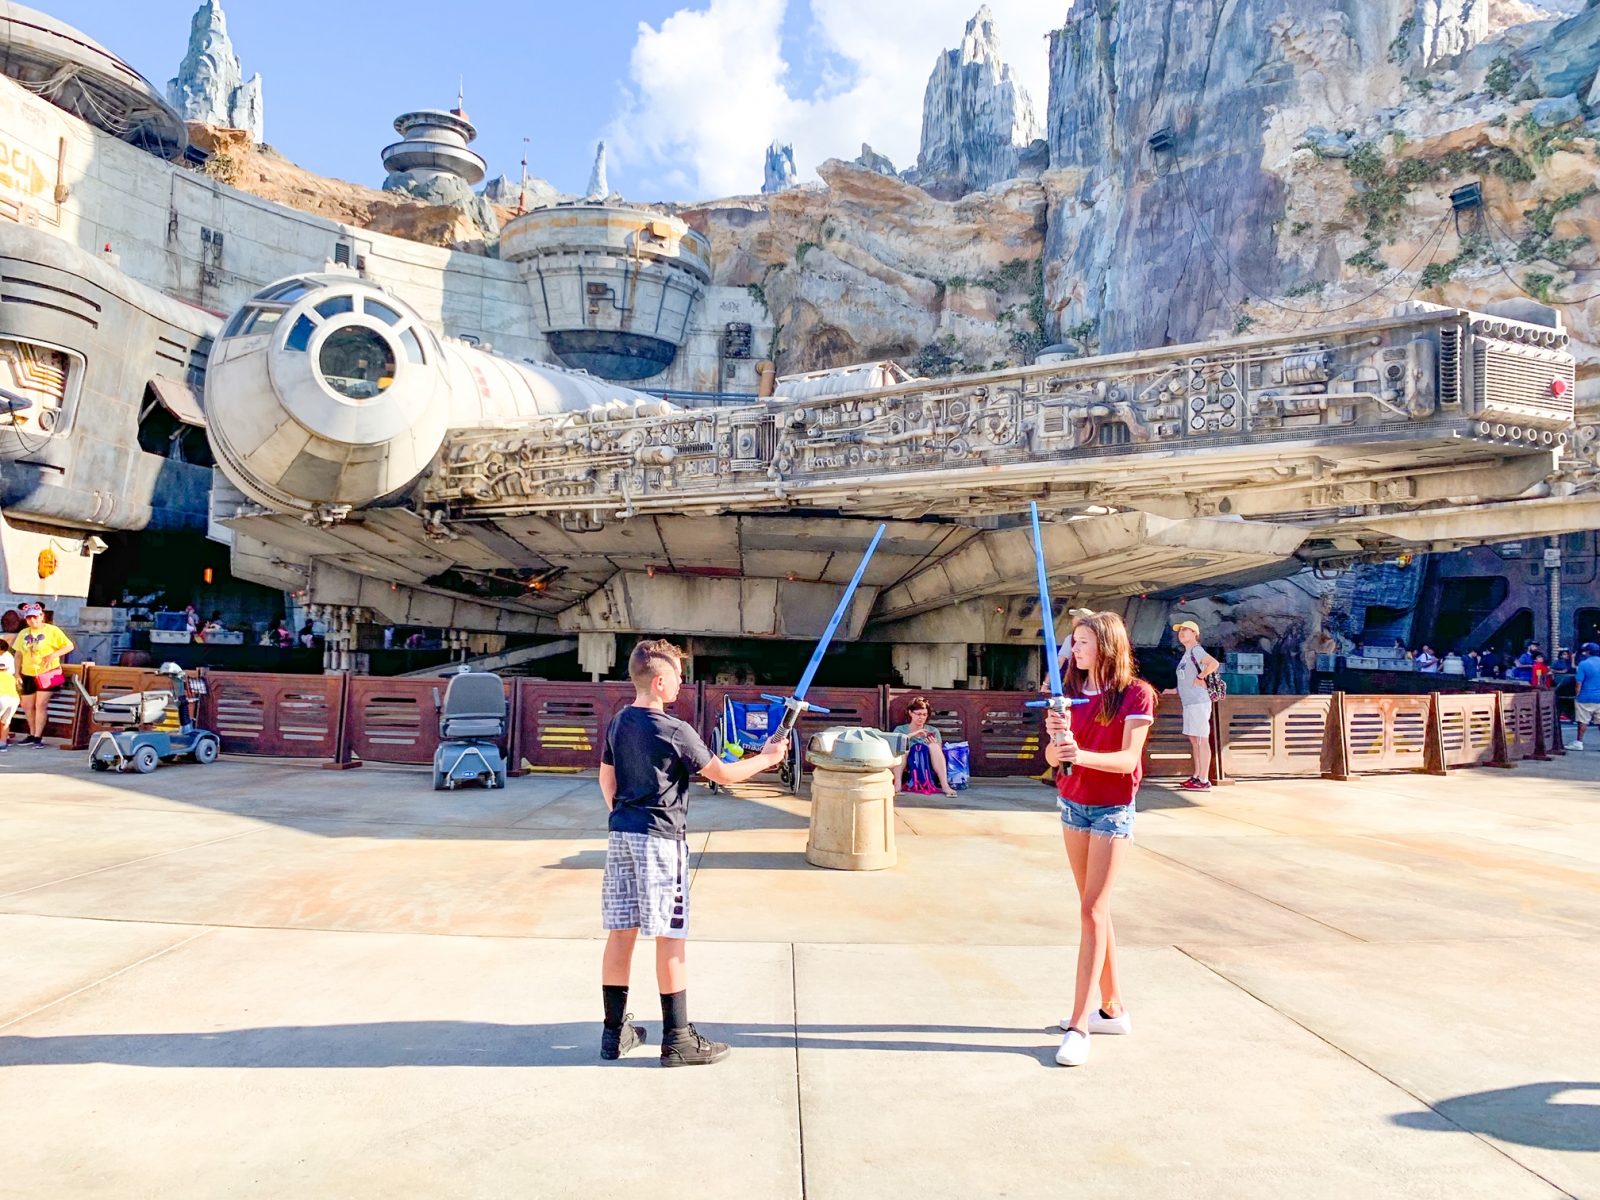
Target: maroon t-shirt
[{"x": 1085, "y": 785}]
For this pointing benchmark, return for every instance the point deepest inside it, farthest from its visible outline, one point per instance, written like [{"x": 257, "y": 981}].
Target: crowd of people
[{"x": 1530, "y": 666}]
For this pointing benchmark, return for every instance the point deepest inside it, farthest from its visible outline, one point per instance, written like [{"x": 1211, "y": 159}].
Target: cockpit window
[
  {"x": 335, "y": 305},
  {"x": 286, "y": 292},
  {"x": 300, "y": 336},
  {"x": 382, "y": 311},
  {"x": 260, "y": 320},
  {"x": 356, "y": 362},
  {"x": 412, "y": 345}
]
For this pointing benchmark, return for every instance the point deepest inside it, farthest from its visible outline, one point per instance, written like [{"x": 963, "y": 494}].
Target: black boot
[
  {"x": 614, "y": 1043},
  {"x": 686, "y": 1048}
]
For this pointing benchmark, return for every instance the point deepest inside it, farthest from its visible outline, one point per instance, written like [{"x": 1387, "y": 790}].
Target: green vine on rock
[
  {"x": 1400, "y": 48},
  {"x": 1473, "y": 248},
  {"x": 1501, "y": 77},
  {"x": 1541, "y": 241}
]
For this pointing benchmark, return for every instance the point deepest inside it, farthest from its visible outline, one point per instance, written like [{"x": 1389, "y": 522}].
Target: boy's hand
[{"x": 777, "y": 749}]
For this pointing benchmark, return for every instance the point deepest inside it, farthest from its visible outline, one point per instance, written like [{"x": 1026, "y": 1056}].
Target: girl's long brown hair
[{"x": 1113, "y": 673}]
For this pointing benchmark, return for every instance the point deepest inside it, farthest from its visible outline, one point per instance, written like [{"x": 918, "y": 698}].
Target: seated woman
[{"x": 919, "y": 732}]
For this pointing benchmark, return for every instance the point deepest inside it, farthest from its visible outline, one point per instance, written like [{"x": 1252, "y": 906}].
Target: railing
[
  {"x": 561, "y": 726},
  {"x": 1467, "y": 729},
  {"x": 1387, "y": 733},
  {"x": 286, "y": 716},
  {"x": 1273, "y": 736}
]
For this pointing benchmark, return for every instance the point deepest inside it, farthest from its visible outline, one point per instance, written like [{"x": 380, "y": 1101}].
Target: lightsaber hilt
[
  {"x": 1062, "y": 706},
  {"x": 793, "y": 707}
]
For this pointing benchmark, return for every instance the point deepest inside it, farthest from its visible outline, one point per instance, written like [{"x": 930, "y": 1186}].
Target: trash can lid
[{"x": 855, "y": 748}]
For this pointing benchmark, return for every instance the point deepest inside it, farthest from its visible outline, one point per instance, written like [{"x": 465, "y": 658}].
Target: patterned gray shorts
[{"x": 646, "y": 885}]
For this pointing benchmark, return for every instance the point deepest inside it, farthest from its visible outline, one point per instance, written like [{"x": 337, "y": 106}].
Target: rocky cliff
[
  {"x": 977, "y": 120},
  {"x": 1308, "y": 153},
  {"x": 260, "y": 170},
  {"x": 870, "y": 267},
  {"x": 210, "y": 86},
  {"x": 1304, "y": 179}
]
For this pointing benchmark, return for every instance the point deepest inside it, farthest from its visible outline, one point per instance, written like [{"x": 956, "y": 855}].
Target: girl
[{"x": 1103, "y": 743}]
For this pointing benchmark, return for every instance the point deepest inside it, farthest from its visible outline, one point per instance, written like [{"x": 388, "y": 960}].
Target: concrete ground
[{"x": 264, "y": 979}]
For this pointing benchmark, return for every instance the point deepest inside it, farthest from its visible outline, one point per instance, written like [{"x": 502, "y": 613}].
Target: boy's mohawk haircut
[{"x": 648, "y": 658}]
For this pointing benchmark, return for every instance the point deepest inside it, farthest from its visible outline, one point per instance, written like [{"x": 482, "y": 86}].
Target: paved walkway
[{"x": 261, "y": 979}]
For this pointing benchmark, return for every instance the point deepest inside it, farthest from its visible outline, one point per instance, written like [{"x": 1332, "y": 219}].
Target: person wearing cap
[
  {"x": 1586, "y": 702},
  {"x": 40, "y": 647},
  {"x": 1193, "y": 670}
]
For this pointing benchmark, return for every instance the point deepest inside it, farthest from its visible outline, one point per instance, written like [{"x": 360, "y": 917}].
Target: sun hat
[{"x": 1194, "y": 625}]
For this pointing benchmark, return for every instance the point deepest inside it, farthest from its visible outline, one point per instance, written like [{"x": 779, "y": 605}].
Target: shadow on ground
[
  {"x": 470, "y": 1044},
  {"x": 1529, "y": 1115}
]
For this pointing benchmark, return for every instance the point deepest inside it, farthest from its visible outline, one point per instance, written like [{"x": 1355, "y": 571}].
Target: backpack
[{"x": 1215, "y": 688}]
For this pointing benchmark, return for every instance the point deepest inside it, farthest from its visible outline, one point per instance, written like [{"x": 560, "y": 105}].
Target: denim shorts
[{"x": 1102, "y": 820}]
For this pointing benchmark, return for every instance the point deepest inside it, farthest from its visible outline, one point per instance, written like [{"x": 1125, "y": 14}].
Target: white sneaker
[
  {"x": 1074, "y": 1051},
  {"x": 1121, "y": 1023},
  {"x": 1574, "y": 745}
]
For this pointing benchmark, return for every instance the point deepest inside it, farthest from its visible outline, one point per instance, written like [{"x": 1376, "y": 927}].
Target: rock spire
[
  {"x": 599, "y": 189},
  {"x": 210, "y": 86},
  {"x": 976, "y": 119},
  {"x": 779, "y": 174}
]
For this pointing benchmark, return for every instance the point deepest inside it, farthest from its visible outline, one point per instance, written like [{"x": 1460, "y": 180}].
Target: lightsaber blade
[
  {"x": 796, "y": 704},
  {"x": 1046, "y": 608},
  {"x": 1058, "y": 702}
]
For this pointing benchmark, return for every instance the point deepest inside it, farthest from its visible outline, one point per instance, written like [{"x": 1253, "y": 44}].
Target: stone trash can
[{"x": 852, "y": 798}]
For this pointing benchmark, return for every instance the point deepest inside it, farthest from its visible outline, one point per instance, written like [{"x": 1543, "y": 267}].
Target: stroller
[
  {"x": 745, "y": 726},
  {"x": 133, "y": 739},
  {"x": 472, "y": 720}
]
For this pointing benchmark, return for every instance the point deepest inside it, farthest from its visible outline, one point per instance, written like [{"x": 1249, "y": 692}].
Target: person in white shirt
[{"x": 1193, "y": 669}]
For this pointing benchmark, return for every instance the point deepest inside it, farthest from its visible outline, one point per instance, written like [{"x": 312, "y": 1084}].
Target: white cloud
[{"x": 709, "y": 87}]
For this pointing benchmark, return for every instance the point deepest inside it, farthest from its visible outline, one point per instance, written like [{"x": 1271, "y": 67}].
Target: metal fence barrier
[{"x": 347, "y": 720}]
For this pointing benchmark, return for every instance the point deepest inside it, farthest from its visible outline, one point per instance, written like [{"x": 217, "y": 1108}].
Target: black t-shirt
[{"x": 655, "y": 756}]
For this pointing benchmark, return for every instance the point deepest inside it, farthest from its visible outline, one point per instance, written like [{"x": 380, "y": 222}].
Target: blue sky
[{"x": 687, "y": 93}]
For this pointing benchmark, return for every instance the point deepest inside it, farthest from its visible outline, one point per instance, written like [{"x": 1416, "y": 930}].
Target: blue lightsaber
[
  {"x": 796, "y": 704},
  {"x": 1058, "y": 702}
]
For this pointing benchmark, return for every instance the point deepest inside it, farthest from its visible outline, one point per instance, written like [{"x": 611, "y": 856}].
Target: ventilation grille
[
  {"x": 1514, "y": 381},
  {"x": 1450, "y": 365}
]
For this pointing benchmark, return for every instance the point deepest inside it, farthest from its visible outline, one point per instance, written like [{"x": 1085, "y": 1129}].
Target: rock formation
[
  {"x": 505, "y": 192},
  {"x": 873, "y": 161},
  {"x": 976, "y": 119},
  {"x": 210, "y": 87},
  {"x": 779, "y": 173},
  {"x": 870, "y": 267},
  {"x": 449, "y": 191},
  {"x": 1444, "y": 29},
  {"x": 264, "y": 172},
  {"x": 598, "y": 189},
  {"x": 1567, "y": 61}
]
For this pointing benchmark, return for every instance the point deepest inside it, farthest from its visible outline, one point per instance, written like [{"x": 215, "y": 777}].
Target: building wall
[{"x": 161, "y": 220}]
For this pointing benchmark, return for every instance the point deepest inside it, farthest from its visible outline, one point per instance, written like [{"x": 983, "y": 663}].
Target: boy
[{"x": 645, "y": 769}]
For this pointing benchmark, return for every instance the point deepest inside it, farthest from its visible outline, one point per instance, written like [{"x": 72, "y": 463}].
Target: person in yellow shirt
[
  {"x": 40, "y": 647},
  {"x": 10, "y": 696}
]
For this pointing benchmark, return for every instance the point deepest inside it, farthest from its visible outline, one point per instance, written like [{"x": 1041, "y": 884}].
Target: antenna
[{"x": 522, "y": 199}]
